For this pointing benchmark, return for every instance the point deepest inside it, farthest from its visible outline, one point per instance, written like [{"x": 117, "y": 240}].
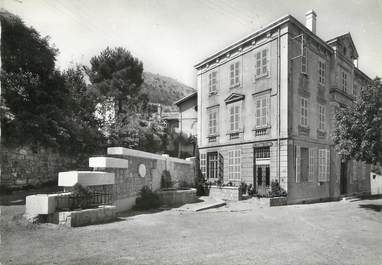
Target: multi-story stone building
[{"x": 266, "y": 111}]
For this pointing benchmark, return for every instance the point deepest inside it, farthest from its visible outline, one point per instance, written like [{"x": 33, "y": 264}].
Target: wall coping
[
  {"x": 225, "y": 187},
  {"x": 85, "y": 178},
  {"x": 108, "y": 162},
  {"x": 137, "y": 153}
]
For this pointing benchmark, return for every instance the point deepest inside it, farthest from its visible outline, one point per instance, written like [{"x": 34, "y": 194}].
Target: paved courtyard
[{"x": 246, "y": 232}]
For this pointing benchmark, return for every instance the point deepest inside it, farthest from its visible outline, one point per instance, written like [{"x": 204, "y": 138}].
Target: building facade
[
  {"x": 266, "y": 111},
  {"x": 188, "y": 121}
]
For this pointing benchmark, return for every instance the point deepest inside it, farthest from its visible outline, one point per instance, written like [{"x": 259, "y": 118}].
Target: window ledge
[
  {"x": 233, "y": 132},
  {"x": 303, "y": 130},
  {"x": 235, "y": 86},
  {"x": 212, "y": 93},
  {"x": 261, "y": 127},
  {"x": 321, "y": 134},
  {"x": 261, "y": 75},
  {"x": 212, "y": 135}
]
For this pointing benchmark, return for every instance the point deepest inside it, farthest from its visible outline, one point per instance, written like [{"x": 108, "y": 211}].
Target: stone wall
[
  {"x": 22, "y": 167},
  {"x": 225, "y": 193},
  {"x": 144, "y": 169}
]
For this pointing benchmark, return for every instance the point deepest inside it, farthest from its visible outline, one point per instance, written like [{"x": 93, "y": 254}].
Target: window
[
  {"x": 212, "y": 161},
  {"x": 262, "y": 111},
  {"x": 323, "y": 162},
  {"x": 322, "y": 117},
  {"x": 235, "y": 74},
  {"x": 234, "y": 117},
  {"x": 212, "y": 82},
  {"x": 344, "y": 81},
  {"x": 304, "y": 112},
  {"x": 213, "y": 121},
  {"x": 262, "y": 152},
  {"x": 321, "y": 72},
  {"x": 304, "y": 61},
  {"x": 262, "y": 63},
  {"x": 203, "y": 164},
  {"x": 234, "y": 165}
]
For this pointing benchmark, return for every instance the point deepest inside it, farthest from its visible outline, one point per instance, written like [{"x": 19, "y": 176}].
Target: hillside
[{"x": 163, "y": 89}]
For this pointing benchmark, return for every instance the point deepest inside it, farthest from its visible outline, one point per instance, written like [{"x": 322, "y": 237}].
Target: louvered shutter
[
  {"x": 298, "y": 164},
  {"x": 312, "y": 162},
  {"x": 221, "y": 167},
  {"x": 327, "y": 175}
]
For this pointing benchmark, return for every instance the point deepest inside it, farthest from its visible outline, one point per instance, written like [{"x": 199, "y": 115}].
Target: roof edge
[
  {"x": 180, "y": 101},
  {"x": 281, "y": 20}
]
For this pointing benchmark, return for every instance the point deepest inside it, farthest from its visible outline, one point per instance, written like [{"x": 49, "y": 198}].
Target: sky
[{"x": 171, "y": 36}]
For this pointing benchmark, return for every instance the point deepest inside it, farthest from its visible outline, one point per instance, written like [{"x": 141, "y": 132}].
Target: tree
[
  {"x": 116, "y": 74},
  {"x": 33, "y": 91},
  {"x": 80, "y": 119},
  {"x": 116, "y": 77},
  {"x": 42, "y": 107},
  {"x": 358, "y": 133}
]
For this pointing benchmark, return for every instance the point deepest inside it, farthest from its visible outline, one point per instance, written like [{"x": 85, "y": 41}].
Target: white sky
[{"x": 171, "y": 36}]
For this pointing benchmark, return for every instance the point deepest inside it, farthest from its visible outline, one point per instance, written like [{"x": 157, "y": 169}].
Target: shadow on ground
[
  {"x": 17, "y": 197},
  {"x": 373, "y": 207},
  {"x": 132, "y": 213}
]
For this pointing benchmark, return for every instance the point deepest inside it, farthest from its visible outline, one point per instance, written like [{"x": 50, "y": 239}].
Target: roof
[
  {"x": 186, "y": 98},
  {"x": 343, "y": 36},
  {"x": 170, "y": 116},
  {"x": 250, "y": 37}
]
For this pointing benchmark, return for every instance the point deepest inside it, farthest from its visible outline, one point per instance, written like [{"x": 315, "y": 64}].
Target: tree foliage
[
  {"x": 42, "y": 107},
  {"x": 358, "y": 132},
  {"x": 116, "y": 77},
  {"x": 116, "y": 74}
]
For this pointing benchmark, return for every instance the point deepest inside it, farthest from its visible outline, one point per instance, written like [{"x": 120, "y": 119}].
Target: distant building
[
  {"x": 188, "y": 120},
  {"x": 171, "y": 119},
  {"x": 266, "y": 111}
]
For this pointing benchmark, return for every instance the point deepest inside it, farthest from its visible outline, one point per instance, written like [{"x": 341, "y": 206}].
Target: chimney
[{"x": 310, "y": 22}]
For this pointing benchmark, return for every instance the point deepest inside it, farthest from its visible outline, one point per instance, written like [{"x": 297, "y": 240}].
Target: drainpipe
[{"x": 278, "y": 104}]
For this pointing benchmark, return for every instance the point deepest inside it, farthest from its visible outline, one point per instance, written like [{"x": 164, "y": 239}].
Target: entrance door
[
  {"x": 343, "y": 178},
  {"x": 262, "y": 179}
]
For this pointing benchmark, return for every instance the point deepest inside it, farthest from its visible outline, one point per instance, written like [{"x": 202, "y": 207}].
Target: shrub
[
  {"x": 251, "y": 190},
  {"x": 147, "y": 200},
  {"x": 165, "y": 181},
  {"x": 276, "y": 190},
  {"x": 80, "y": 197},
  {"x": 243, "y": 187}
]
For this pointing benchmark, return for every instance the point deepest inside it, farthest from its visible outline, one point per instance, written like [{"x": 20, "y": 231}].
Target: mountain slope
[{"x": 164, "y": 90}]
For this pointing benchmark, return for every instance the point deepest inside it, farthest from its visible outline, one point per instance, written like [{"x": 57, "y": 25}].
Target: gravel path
[{"x": 246, "y": 232}]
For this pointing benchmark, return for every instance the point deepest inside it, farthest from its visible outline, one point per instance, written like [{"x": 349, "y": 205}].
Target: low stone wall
[
  {"x": 102, "y": 214},
  {"x": 278, "y": 201},
  {"x": 225, "y": 193},
  {"x": 177, "y": 197},
  {"x": 22, "y": 167},
  {"x": 144, "y": 169}
]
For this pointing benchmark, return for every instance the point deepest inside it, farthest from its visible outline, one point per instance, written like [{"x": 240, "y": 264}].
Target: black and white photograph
[{"x": 191, "y": 132}]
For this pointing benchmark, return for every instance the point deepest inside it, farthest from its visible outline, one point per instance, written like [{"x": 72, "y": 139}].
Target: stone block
[
  {"x": 108, "y": 162},
  {"x": 85, "y": 178},
  {"x": 40, "y": 204}
]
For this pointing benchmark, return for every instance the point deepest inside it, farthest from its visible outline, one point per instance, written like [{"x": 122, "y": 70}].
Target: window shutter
[
  {"x": 321, "y": 171},
  {"x": 315, "y": 165},
  {"x": 221, "y": 167},
  {"x": 298, "y": 164},
  {"x": 268, "y": 110},
  {"x": 311, "y": 164},
  {"x": 327, "y": 173},
  {"x": 203, "y": 165}
]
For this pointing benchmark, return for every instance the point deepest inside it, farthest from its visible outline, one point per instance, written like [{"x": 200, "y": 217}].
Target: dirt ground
[{"x": 246, "y": 232}]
